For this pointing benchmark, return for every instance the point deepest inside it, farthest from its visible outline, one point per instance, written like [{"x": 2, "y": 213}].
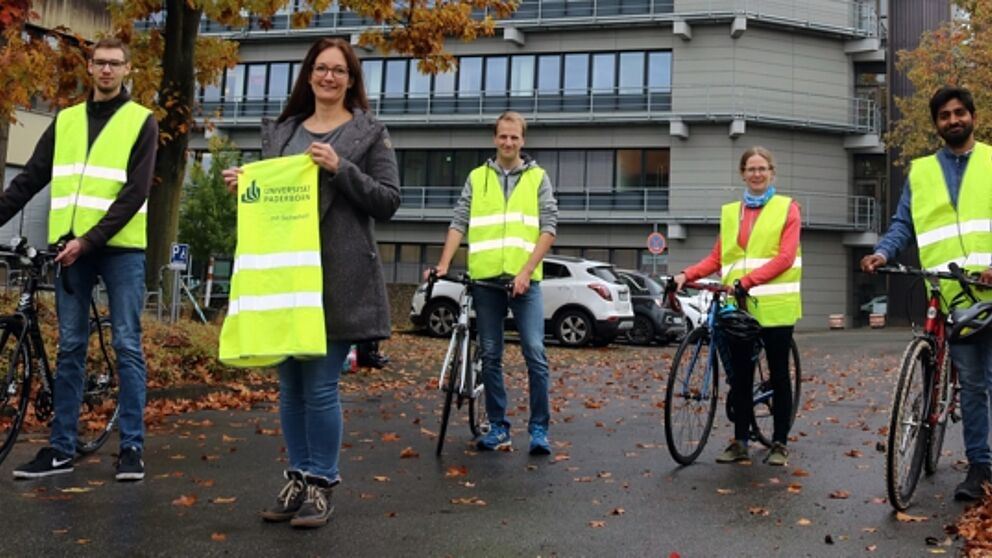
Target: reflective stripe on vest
[
  {"x": 945, "y": 234},
  {"x": 779, "y": 301},
  {"x": 276, "y": 305},
  {"x": 86, "y": 182},
  {"x": 502, "y": 233}
]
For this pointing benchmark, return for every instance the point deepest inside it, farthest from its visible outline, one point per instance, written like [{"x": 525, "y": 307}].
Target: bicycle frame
[{"x": 460, "y": 336}]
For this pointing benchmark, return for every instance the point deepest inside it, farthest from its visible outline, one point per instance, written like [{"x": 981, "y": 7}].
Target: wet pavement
[{"x": 609, "y": 489}]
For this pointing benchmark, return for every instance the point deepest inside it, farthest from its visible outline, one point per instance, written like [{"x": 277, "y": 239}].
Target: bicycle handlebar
[
  {"x": 954, "y": 273},
  {"x": 463, "y": 279}
]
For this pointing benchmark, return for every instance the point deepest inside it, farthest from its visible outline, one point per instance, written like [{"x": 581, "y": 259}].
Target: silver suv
[{"x": 584, "y": 303}]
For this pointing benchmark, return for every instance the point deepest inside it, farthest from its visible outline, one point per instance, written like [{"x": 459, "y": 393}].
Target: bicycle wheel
[
  {"x": 101, "y": 406},
  {"x": 15, "y": 389},
  {"x": 478, "y": 423},
  {"x": 691, "y": 397},
  {"x": 452, "y": 366},
  {"x": 908, "y": 433},
  {"x": 763, "y": 422},
  {"x": 942, "y": 397}
]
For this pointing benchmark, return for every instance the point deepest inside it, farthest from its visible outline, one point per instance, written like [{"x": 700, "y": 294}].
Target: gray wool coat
[{"x": 365, "y": 189}]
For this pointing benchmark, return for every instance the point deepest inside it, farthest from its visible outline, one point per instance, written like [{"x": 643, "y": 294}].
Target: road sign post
[{"x": 178, "y": 263}]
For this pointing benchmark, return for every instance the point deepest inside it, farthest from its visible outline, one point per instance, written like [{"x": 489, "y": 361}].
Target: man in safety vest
[
  {"x": 510, "y": 215},
  {"x": 99, "y": 157},
  {"x": 947, "y": 206}
]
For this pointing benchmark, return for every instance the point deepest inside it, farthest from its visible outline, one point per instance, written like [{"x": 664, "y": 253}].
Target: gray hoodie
[{"x": 546, "y": 202}]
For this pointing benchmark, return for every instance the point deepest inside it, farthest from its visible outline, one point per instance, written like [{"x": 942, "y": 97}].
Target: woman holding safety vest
[
  {"x": 758, "y": 253},
  {"x": 356, "y": 181}
]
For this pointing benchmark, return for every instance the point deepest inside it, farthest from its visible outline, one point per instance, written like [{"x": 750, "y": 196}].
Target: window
[
  {"x": 628, "y": 169},
  {"x": 278, "y": 81},
  {"x": 599, "y": 170},
  {"x": 496, "y": 75},
  {"x": 603, "y": 73},
  {"x": 256, "y": 81},
  {"x": 444, "y": 84},
  {"x": 372, "y": 69},
  {"x": 470, "y": 76},
  {"x": 420, "y": 84},
  {"x": 549, "y": 75},
  {"x": 571, "y": 171},
  {"x": 576, "y": 74},
  {"x": 441, "y": 166},
  {"x": 660, "y": 71},
  {"x": 656, "y": 168},
  {"x": 555, "y": 270},
  {"x": 414, "y": 170},
  {"x": 631, "y": 73},
  {"x": 395, "y": 78},
  {"x": 522, "y": 76},
  {"x": 234, "y": 83}
]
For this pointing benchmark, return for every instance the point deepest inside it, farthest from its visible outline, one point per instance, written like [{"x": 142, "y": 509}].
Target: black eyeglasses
[{"x": 113, "y": 64}]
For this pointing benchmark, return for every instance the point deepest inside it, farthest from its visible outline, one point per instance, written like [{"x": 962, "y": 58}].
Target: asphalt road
[{"x": 610, "y": 488}]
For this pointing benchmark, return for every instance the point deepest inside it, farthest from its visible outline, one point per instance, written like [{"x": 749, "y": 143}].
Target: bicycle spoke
[{"x": 908, "y": 433}]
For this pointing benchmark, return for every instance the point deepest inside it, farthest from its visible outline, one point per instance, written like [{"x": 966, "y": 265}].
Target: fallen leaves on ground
[
  {"x": 840, "y": 495},
  {"x": 185, "y": 501},
  {"x": 456, "y": 472},
  {"x": 469, "y": 501},
  {"x": 597, "y": 524},
  {"x": 218, "y": 537},
  {"x": 975, "y": 527},
  {"x": 408, "y": 453}
]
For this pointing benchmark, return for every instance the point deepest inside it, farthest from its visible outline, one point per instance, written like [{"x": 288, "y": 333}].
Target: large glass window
[
  {"x": 372, "y": 69},
  {"x": 599, "y": 170},
  {"x": 631, "y": 73},
  {"x": 576, "y": 74},
  {"x": 496, "y": 75},
  {"x": 522, "y": 76},
  {"x": 628, "y": 169},
  {"x": 441, "y": 166},
  {"x": 444, "y": 84},
  {"x": 660, "y": 71},
  {"x": 571, "y": 171},
  {"x": 256, "y": 81},
  {"x": 470, "y": 76},
  {"x": 395, "y": 78},
  {"x": 278, "y": 81},
  {"x": 656, "y": 168},
  {"x": 603, "y": 73},
  {"x": 549, "y": 75},
  {"x": 420, "y": 83},
  {"x": 234, "y": 83}
]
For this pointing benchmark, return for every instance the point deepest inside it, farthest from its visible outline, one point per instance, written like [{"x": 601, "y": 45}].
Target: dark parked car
[{"x": 653, "y": 320}]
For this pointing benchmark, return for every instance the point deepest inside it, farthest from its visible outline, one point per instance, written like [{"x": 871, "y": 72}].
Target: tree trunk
[
  {"x": 182, "y": 25},
  {"x": 4, "y": 137}
]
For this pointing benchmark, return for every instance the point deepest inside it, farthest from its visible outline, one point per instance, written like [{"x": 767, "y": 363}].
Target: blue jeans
[
  {"x": 124, "y": 275},
  {"x": 310, "y": 411},
  {"x": 974, "y": 364},
  {"x": 528, "y": 312}
]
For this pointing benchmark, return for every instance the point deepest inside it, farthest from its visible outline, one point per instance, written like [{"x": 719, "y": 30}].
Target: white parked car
[{"x": 584, "y": 303}]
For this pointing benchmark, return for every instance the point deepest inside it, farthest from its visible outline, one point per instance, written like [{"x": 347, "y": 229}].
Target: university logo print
[{"x": 252, "y": 194}]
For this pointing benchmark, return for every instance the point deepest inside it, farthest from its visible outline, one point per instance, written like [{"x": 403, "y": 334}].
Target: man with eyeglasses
[
  {"x": 946, "y": 205},
  {"x": 99, "y": 157}
]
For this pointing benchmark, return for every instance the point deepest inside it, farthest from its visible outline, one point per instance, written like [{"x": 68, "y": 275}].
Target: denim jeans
[
  {"x": 124, "y": 276},
  {"x": 310, "y": 411},
  {"x": 974, "y": 364},
  {"x": 528, "y": 312}
]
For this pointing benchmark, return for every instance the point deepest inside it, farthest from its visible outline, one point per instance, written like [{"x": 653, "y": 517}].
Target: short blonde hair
[
  {"x": 760, "y": 151},
  {"x": 512, "y": 117}
]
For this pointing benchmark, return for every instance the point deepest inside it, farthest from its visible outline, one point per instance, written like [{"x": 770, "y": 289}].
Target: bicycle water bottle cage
[
  {"x": 737, "y": 324},
  {"x": 966, "y": 323}
]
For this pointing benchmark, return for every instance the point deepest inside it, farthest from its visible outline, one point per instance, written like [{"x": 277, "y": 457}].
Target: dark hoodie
[{"x": 140, "y": 170}]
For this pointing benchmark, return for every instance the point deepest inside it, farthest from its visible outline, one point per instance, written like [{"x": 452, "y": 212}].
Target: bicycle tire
[
  {"x": 762, "y": 420},
  {"x": 477, "y": 420},
  {"x": 936, "y": 442},
  {"x": 685, "y": 402},
  {"x": 907, "y": 440},
  {"x": 451, "y": 366},
  {"x": 100, "y": 408},
  {"x": 15, "y": 389}
]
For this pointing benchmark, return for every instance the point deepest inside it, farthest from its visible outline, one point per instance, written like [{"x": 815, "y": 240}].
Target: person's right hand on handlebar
[
  {"x": 439, "y": 271},
  {"x": 680, "y": 280},
  {"x": 872, "y": 262}
]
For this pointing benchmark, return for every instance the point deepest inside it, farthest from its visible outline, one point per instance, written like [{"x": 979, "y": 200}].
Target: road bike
[
  {"x": 926, "y": 393},
  {"x": 25, "y": 374},
  {"x": 692, "y": 389},
  {"x": 461, "y": 372}
]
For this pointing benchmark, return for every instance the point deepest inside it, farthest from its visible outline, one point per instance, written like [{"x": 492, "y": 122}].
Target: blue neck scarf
[{"x": 752, "y": 200}]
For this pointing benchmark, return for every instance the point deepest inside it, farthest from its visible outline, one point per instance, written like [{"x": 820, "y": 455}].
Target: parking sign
[{"x": 179, "y": 259}]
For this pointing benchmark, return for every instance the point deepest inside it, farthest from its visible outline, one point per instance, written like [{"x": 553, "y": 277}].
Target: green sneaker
[
  {"x": 778, "y": 456},
  {"x": 735, "y": 452}
]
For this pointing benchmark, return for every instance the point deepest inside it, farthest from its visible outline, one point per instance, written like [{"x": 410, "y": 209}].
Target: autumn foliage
[{"x": 957, "y": 53}]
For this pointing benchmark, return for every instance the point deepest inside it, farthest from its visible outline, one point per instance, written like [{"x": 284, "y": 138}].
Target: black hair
[{"x": 947, "y": 93}]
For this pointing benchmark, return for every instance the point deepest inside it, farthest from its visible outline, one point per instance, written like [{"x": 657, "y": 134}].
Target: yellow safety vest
[
  {"x": 946, "y": 234},
  {"x": 778, "y": 302},
  {"x": 276, "y": 301},
  {"x": 502, "y": 233},
  {"x": 85, "y": 182}
]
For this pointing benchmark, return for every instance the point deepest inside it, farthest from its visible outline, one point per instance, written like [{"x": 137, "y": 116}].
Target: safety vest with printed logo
[
  {"x": 502, "y": 233},
  {"x": 946, "y": 234},
  {"x": 86, "y": 182},
  {"x": 777, "y": 302},
  {"x": 275, "y": 309}
]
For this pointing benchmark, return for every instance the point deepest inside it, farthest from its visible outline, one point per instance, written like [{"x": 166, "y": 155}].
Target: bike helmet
[
  {"x": 966, "y": 323},
  {"x": 737, "y": 324}
]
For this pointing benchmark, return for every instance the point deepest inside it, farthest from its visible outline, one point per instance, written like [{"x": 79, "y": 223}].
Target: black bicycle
[{"x": 25, "y": 374}]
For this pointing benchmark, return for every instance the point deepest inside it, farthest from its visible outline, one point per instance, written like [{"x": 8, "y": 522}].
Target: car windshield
[
  {"x": 605, "y": 273},
  {"x": 652, "y": 286}
]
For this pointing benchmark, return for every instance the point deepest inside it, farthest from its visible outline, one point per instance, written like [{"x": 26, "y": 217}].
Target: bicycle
[
  {"x": 24, "y": 361},
  {"x": 926, "y": 393},
  {"x": 461, "y": 371},
  {"x": 692, "y": 389}
]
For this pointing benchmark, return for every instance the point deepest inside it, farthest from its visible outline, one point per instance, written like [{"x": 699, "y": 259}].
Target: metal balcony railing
[
  {"x": 678, "y": 204},
  {"x": 718, "y": 103},
  {"x": 852, "y": 18}
]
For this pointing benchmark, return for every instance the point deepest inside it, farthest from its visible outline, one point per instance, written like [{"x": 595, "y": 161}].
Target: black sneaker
[
  {"x": 130, "y": 467},
  {"x": 316, "y": 509},
  {"x": 971, "y": 488},
  {"x": 289, "y": 500},
  {"x": 48, "y": 462}
]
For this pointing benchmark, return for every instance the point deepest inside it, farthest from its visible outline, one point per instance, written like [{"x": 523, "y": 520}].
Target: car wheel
[
  {"x": 573, "y": 328},
  {"x": 441, "y": 316},
  {"x": 643, "y": 331}
]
